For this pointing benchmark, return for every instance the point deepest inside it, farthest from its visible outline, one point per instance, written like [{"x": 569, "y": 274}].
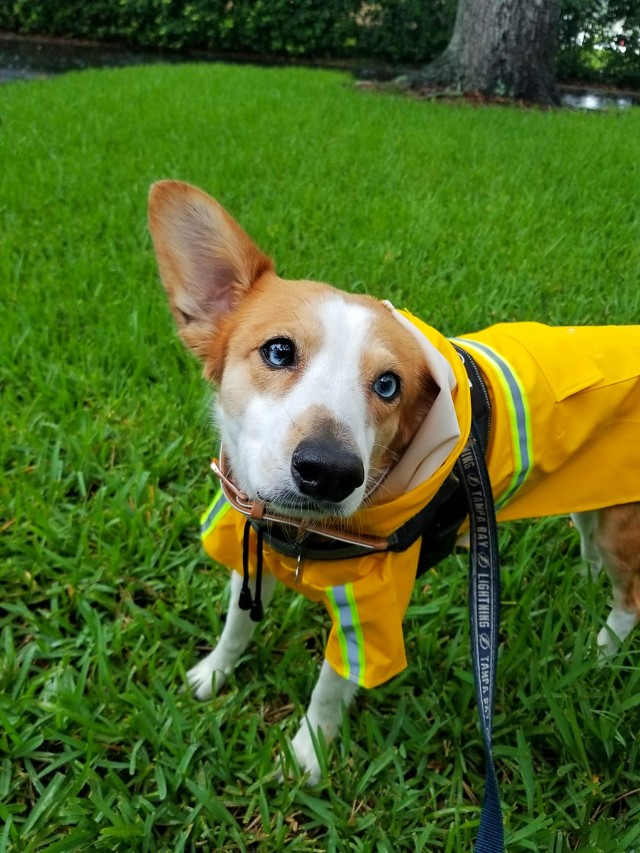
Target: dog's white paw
[
  {"x": 619, "y": 625},
  {"x": 207, "y": 677},
  {"x": 305, "y": 755},
  {"x": 608, "y": 646}
]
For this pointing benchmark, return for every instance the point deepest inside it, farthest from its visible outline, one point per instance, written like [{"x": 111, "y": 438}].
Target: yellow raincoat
[{"x": 565, "y": 437}]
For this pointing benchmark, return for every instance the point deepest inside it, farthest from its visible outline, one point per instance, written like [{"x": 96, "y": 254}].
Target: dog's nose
[{"x": 325, "y": 470}]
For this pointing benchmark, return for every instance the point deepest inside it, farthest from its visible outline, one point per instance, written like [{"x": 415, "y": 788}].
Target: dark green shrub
[
  {"x": 396, "y": 31},
  {"x": 406, "y": 30},
  {"x": 391, "y": 30},
  {"x": 600, "y": 41}
]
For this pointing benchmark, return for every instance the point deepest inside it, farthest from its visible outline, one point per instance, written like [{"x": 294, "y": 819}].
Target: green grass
[{"x": 467, "y": 216}]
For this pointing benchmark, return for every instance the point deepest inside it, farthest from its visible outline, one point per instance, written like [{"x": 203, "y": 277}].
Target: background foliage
[
  {"x": 600, "y": 41},
  {"x": 396, "y": 31}
]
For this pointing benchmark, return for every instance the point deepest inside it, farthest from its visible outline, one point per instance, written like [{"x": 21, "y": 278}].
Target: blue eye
[
  {"x": 387, "y": 386},
  {"x": 280, "y": 352}
]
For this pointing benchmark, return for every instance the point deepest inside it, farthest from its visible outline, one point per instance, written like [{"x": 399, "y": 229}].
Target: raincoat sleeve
[{"x": 366, "y": 643}]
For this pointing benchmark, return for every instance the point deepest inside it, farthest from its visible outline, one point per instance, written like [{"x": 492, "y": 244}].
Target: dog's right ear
[{"x": 206, "y": 261}]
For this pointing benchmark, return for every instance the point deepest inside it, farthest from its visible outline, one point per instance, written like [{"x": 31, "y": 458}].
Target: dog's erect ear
[{"x": 206, "y": 260}]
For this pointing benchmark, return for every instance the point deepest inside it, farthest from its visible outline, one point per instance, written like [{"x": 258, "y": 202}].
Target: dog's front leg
[
  {"x": 208, "y": 676},
  {"x": 331, "y": 696}
]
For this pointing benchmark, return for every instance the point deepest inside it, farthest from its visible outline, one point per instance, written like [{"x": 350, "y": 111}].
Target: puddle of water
[
  {"x": 596, "y": 99},
  {"x": 27, "y": 58}
]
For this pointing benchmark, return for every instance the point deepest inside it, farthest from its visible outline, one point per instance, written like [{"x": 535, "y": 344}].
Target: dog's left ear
[{"x": 206, "y": 261}]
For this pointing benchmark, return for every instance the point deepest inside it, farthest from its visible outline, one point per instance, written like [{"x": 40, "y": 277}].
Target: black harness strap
[{"x": 450, "y": 506}]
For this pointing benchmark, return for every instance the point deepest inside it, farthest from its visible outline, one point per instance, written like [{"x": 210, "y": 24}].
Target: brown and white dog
[{"x": 319, "y": 392}]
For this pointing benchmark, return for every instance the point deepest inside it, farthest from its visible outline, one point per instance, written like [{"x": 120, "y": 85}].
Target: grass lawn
[{"x": 465, "y": 215}]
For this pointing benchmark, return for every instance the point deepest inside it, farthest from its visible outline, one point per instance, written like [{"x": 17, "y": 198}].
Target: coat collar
[{"x": 415, "y": 479}]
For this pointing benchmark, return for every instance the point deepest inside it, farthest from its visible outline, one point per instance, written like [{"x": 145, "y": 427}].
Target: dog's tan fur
[{"x": 618, "y": 537}]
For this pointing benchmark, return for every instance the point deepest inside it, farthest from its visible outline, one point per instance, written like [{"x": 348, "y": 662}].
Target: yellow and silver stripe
[
  {"x": 344, "y": 609},
  {"x": 218, "y": 508},
  {"x": 518, "y": 412}
]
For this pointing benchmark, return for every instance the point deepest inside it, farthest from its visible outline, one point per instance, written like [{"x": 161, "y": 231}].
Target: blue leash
[{"x": 484, "y": 610}]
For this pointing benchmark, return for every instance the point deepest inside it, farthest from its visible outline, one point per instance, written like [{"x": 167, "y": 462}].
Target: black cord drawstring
[
  {"x": 257, "y": 610},
  {"x": 246, "y": 600}
]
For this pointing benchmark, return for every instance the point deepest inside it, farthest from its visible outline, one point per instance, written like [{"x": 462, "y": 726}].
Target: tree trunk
[{"x": 501, "y": 47}]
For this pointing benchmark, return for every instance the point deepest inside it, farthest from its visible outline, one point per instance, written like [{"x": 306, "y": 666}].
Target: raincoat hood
[{"x": 428, "y": 460}]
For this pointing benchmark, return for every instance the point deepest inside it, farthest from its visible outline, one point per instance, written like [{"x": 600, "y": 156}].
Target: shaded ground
[
  {"x": 571, "y": 96},
  {"x": 29, "y": 57},
  {"x": 33, "y": 57}
]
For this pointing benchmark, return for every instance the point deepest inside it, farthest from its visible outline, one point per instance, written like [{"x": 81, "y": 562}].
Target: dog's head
[{"x": 319, "y": 391}]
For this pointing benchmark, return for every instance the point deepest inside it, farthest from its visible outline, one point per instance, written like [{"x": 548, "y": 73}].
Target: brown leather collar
[{"x": 259, "y": 511}]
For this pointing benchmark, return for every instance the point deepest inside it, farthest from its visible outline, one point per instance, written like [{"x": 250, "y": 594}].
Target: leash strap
[{"x": 484, "y": 609}]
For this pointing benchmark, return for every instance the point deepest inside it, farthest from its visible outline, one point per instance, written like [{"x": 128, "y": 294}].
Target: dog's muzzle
[{"x": 326, "y": 471}]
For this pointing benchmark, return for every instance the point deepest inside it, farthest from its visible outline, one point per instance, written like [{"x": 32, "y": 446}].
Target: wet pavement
[{"x": 29, "y": 58}]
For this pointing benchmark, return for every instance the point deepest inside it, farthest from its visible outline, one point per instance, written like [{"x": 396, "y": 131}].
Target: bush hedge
[
  {"x": 599, "y": 39},
  {"x": 393, "y": 30}
]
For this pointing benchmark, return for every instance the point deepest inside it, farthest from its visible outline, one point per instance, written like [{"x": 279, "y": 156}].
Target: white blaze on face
[{"x": 261, "y": 429}]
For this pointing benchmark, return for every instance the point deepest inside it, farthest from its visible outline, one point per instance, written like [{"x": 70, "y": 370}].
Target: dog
[{"x": 340, "y": 420}]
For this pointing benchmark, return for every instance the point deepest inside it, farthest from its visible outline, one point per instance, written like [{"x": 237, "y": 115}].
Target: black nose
[{"x": 326, "y": 470}]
